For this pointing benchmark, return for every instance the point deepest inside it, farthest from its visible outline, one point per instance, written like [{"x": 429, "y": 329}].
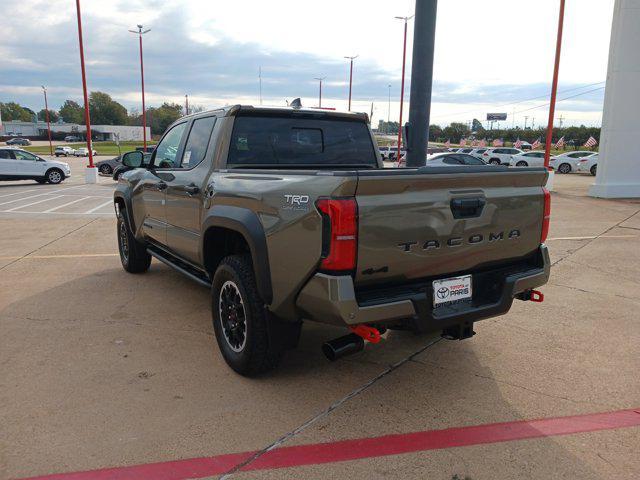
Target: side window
[
  {"x": 451, "y": 160},
  {"x": 6, "y": 154},
  {"x": 20, "y": 155},
  {"x": 167, "y": 149},
  {"x": 469, "y": 160},
  {"x": 575, "y": 155},
  {"x": 499, "y": 150},
  {"x": 197, "y": 142}
]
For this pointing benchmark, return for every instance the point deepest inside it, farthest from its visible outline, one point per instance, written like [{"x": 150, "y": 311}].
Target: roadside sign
[{"x": 496, "y": 117}]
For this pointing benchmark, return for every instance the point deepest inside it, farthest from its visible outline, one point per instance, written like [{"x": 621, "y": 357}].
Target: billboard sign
[{"x": 496, "y": 116}]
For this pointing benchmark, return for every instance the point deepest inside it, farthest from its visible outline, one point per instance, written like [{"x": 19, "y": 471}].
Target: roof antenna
[{"x": 296, "y": 103}]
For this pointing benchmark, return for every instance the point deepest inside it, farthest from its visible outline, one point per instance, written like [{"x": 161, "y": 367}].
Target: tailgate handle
[{"x": 467, "y": 207}]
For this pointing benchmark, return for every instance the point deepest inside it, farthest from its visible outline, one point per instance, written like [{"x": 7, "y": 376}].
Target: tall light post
[
  {"x": 46, "y": 114},
  {"x": 404, "y": 59},
  {"x": 320, "y": 79},
  {"x": 87, "y": 116},
  {"x": 186, "y": 104},
  {"x": 554, "y": 87},
  {"x": 389, "y": 108},
  {"x": 141, "y": 32},
  {"x": 351, "y": 59}
]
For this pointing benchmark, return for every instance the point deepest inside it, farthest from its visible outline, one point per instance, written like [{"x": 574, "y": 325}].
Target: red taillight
[
  {"x": 340, "y": 233},
  {"x": 485, "y": 154},
  {"x": 546, "y": 216}
]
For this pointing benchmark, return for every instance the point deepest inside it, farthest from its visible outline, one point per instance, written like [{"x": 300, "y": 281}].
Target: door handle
[
  {"x": 161, "y": 186},
  {"x": 191, "y": 189}
]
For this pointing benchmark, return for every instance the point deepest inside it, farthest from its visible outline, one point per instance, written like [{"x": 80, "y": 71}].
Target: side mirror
[{"x": 133, "y": 159}]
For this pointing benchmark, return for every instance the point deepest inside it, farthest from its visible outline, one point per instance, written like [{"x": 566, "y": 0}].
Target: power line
[
  {"x": 560, "y": 100},
  {"x": 521, "y": 101}
]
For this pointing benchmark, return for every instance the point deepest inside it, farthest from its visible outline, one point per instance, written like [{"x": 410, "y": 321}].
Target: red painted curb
[{"x": 341, "y": 451}]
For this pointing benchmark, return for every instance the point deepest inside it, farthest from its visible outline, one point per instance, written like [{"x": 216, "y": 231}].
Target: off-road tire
[
  {"x": 133, "y": 254},
  {"x": 253, "y": 356}
]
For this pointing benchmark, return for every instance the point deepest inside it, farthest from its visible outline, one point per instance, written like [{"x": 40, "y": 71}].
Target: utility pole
[
  {"x": 404, "y": 61},
  {"x": 260, "y": 81},
  {"x": 560, "y": 119},
  {"x": 87, "y": 116},
  {"x": 46, "y": 113},
  {"x": 533, "y": 123},
  {"x": 186, "y": 105},
  {"x": 389, "y": 109},
  {"x": 350, "y": 76},
  {"x": 554, "y": 87},
  {"x": 140, "y": 32},
  {"x": 525, "y": 121},
  {"x": 424, "y": 38},
  {"x": 320, "y": 79}
]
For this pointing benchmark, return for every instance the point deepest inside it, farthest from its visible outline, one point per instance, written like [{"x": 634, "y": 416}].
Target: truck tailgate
[{"x": 417, "y": 223}]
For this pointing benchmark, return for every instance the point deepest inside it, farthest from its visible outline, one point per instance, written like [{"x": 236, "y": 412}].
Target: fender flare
[
  {"x": 246, "y": 223},
  {"x": 120, "y": 195}
]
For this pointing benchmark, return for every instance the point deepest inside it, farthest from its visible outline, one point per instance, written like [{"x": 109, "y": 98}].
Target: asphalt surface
[{"x": 100, "y": 368}]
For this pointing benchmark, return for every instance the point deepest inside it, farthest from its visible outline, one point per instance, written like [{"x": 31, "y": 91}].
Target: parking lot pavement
[{"x": 105, "y": 369}]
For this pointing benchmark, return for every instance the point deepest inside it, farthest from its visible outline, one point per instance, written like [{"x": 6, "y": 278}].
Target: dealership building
[{"x": 60, "y": 129}]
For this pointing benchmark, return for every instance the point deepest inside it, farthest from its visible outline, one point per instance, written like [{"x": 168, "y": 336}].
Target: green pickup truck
[{"x": 288, "y": 214}]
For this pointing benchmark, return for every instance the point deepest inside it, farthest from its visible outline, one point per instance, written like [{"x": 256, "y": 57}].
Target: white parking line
[
  {"x": 66, "y": 204},
  {"x": 18, "y": 193},
  {"x": 57, "y": 213},
  {"x": 33, "y": 203},
  {"x": 98, "y": 207},
  {"x": 25, "y": 198}
]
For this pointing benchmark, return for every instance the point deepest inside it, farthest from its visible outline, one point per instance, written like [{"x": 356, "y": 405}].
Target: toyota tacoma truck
[{"x": 288, "y": 214}]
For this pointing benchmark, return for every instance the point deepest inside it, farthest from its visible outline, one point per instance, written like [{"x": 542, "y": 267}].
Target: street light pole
[
  {"x": 554, "y": 87},
  {"x": 140, "y": 32},
  {"x": 404, "y": 59},
  {"x": 389, "y": 108},
  {"x": 320, "y": 79},
  {"x": 186, "y": 104},
  {"x": 46, "y": 113},
  {"x": 87, "y": 116},
  {"x": 350, "y": 76}
]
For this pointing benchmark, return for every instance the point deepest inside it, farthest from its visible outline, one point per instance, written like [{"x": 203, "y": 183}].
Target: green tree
[
  {"x": 435, "y": 133},
  {"x": 53, "y": 115},
  {"x": 455, "y": 131},
  {"x": 106, "y": 111},
  {"x": 476, "y": 126},
  {"x": 13, "y": 111},
  {"x": 72, "y": 112},
  {"x": 160, "y": 118}
]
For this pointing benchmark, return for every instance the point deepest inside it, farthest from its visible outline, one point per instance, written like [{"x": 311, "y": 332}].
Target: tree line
[
  {"x": 103, "y": 110},
  {"x": 455, "y": 131}
]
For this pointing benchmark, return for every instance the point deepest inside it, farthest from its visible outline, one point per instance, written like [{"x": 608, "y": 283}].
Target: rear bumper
[{"x": 333, "y": 299}]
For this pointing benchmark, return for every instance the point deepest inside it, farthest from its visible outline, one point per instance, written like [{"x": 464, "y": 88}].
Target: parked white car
[
  {"x": 500, "y": 156},
  {"x": 568, "y": 162},
  {"x": 63, "y": 151},
  {"x": 386, "y": 151},
  {"x": 18, "y": 164},
  {"x": 83, "y": 152},
  {"x": 477, "y": 152},
  {"x": 528, "y": 159},
  {"x": 589, "y": 164}
]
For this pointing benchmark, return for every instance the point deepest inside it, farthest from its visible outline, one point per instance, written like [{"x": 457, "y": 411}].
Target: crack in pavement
[
  {"x": 515, "y": 385},
  {"x": 48, "y": 243},
  {"x": 595, "y": 238},
  {"x": 337, "y": 404},
  {"x": 593, "y": 293}
]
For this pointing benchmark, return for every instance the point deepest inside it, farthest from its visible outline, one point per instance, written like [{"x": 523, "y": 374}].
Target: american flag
[
  {"x": 536, "y": 144},
  {"x": 497, "y": 143},
  {"x": 591, "y": 142},
  {"x": 463, "y": 142},
  {"x": 560, "y": 143},
  {"x": 518, "y": 143},
  {"x": 447, "y": 144},
  {"x": 474, "y": 143},
  {"x": 483, "y": 143}
]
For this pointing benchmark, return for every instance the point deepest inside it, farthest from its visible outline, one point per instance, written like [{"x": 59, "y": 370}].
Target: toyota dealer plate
[{"x": 451, "y": 290}]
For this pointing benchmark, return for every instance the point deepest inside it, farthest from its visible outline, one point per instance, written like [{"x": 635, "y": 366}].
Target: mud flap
[{"x": 283, "y": 335}]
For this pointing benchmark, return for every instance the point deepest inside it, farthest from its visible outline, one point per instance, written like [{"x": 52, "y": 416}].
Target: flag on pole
[
  {"x": 536, "y": 144},
  {"x": 463, "y": 142},
  {"x": 592, "y": 142},
  {"x": 483, "y": 143},
  {"x": 497, "y": 143},
  {"x": 447, "y": 143},
  {"x": 560, "y": 143},
  {"x": 518, "y": 143}
]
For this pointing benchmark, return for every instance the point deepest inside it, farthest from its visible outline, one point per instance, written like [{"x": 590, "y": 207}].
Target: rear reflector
[
  {"x": 546, "y": 215},
  {"x": 340, "y": 232}
]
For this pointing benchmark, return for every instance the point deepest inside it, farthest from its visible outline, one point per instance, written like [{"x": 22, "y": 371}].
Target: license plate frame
[{"x": 447, "y": 291}]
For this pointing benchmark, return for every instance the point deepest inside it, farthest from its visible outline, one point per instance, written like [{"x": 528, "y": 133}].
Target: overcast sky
[{"x": 489, "y": 54}]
